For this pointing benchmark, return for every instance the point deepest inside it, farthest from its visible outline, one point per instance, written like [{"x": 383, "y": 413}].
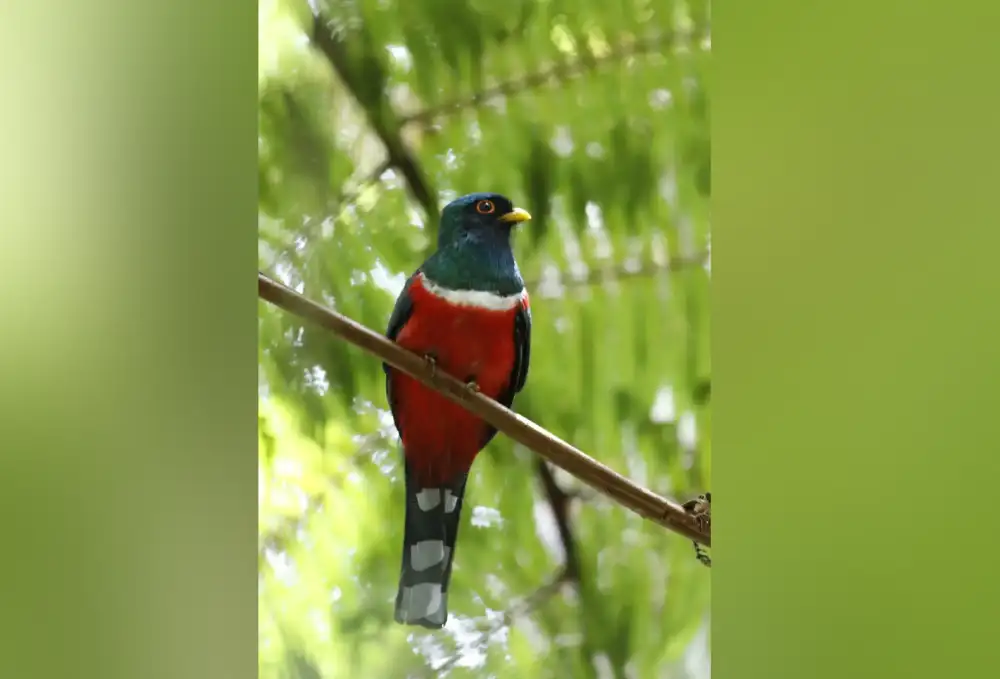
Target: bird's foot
[
  {"x": 431, "y": 360},
  {"x": 701, "y": 509},
  {"x": 472, "y": 386},
  {"x": 702, "y": 555}
]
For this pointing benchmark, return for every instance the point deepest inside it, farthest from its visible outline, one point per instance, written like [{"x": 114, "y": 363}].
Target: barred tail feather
[{"x": 432, "y": 517}]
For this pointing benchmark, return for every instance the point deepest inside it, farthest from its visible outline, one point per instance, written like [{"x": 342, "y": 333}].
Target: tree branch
[
  {"x": 378, "y": 113},
  {"x": 641, "y": 501},
  {"x": 559, "y": 502},
  {"x": 558, "y": 72}
]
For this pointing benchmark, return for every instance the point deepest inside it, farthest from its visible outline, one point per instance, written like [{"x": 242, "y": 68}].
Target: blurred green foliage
[{"x": 594, "y": 117}]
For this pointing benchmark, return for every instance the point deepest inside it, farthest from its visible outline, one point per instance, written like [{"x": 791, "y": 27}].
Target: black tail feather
[{"x": 432, "y": 520}]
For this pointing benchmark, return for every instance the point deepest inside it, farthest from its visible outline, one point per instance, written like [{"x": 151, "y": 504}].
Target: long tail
[{"x": 432, "y": 516}]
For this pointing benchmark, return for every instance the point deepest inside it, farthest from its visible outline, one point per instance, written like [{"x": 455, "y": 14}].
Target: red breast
[{"x": 440, "y": 438}]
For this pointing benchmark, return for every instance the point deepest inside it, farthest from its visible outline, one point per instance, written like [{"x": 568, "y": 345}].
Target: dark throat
[{"x": 481, "y": 260}]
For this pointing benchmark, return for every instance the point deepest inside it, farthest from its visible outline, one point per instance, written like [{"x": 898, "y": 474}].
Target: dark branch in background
[
  {"x": 641, "y": 501},
  {"x": 559, "y": 502},
  {"x": 558, "y": 72},
  {"x": 380, "y": 120}
]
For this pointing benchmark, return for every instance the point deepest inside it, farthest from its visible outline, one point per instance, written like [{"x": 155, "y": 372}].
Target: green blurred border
[
  {"x": 855, "y": 343},
  {"x": 128, "y": 466}
]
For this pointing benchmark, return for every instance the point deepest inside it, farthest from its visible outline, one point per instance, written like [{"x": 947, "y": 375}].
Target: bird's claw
[
  {"x": 472, "y": 386},
  {"x": 702, "y": 555},
  {"x": 701, "y": 509},
  {"x": 432, "y": 363}
]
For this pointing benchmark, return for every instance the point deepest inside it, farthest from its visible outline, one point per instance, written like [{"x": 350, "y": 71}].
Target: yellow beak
[{"x": 515, "y": 216}]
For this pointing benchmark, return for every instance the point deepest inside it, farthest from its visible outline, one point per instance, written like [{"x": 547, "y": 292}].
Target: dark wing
[
  {"x": 522, "y": 358},
  {"x": 400, "y": 315},
  {"x": 522, "y": 347}
]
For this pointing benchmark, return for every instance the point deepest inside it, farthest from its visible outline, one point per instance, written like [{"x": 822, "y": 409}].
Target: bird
[{"x": 466, "y": 311}]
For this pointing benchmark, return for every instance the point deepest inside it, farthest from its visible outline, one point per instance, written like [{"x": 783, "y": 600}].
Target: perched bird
[{"x": 466, "y": 311}]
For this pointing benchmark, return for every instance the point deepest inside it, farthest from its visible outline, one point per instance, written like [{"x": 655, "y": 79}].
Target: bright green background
[{"x": 853, "y": 340}]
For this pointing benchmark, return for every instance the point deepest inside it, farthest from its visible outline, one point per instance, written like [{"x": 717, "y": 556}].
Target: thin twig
[
  {"x": 558, "y": 72},
  {"x": 641, "y": 501},
  {"x": 597, "y": 275},
  {"x": 523, "y": 607},
  {"x": 346, "y": 198},
  {"x": 350, "y": 197}
]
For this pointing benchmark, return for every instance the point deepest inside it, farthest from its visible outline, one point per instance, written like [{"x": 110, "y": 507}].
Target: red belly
[{"x": 440, "y": 438}]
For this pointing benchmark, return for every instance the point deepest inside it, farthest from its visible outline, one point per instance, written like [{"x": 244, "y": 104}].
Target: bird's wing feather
[
  {"x": 401, "y": 313},
  {"x": 522, "y": 347},
  {"x": 401, "y": 310}
]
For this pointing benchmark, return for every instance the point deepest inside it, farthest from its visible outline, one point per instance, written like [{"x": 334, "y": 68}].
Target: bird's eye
[{"x": 485, "y": 207}]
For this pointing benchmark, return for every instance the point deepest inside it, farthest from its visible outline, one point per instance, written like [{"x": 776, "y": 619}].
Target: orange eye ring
[{"x": 486, "y": 207}]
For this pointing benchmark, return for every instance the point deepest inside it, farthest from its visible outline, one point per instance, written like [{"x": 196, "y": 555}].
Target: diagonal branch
[
  {"x": 641, "y": 501},
  {"x": 559, "y": 503},
  {"x": 380, "y": 119},
  {"x": 558, "y": 72}
]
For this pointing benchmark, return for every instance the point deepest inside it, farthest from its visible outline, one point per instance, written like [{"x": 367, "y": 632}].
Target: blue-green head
[
  {"x": 479, "y": 216},
  {"x": 474, "y": 251}
]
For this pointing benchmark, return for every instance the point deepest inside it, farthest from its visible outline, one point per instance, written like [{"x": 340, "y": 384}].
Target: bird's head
[{"x": 487, "y": 215}]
